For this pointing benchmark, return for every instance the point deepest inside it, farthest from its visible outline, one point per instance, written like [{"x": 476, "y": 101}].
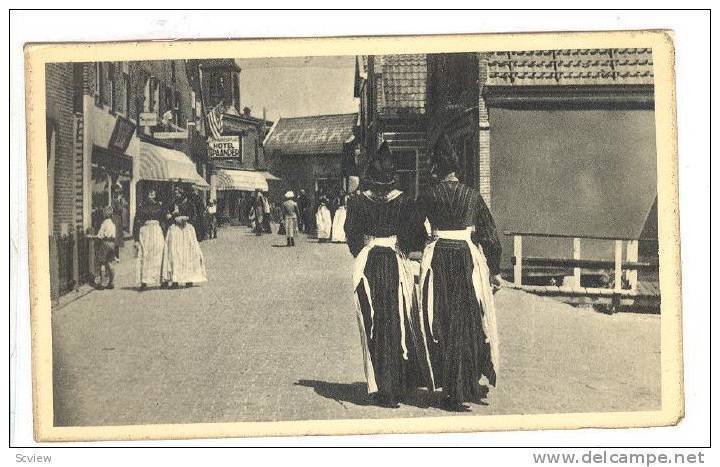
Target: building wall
[
  {"x": 59, "y": 88},
  {"x": 572, "y": 172},
  {"x": 100, "y": 113}
]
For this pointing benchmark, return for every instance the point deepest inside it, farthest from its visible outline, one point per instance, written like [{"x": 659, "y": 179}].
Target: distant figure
[
  {"x": 105, "y": 253},
  {"x": 183, "y": 260},
  {"x": 212, "y": 219},
  {"x": 119, "y": 207},
  {"x": 266, "y": 215},
  {"x": 290, "y": 217},
  {"x": 338, "y": 225},
  {"x": 323, "y": 221},
  {"x": 149, "y": 241},
  {"x": 303, "y": 203},
  {"x": 258, "y": 212}
]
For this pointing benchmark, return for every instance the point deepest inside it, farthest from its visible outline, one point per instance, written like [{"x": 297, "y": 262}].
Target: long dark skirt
[
  {"x": 460, "y": 357},
  {"x": 394, "y": 375}
]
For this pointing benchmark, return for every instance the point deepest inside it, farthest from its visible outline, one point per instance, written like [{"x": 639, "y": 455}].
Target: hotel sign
[{"x": 225, "y": 147}]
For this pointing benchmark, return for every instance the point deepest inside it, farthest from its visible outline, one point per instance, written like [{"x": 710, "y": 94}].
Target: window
[
  {"x": 112, "y": 91},
  {"x": 99, "y": 83},
  {"x": 78, "y": 82},
  {"x": 179, "y": 116},
  {"x": 217, "y": 89},
  {"x": 120, "y": 93},
  {"x": 236, "y": 91},
  {"x": 406, "y": 167}
]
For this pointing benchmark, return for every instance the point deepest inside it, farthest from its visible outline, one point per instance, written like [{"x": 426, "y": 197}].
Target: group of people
[
  {"x": 442, "y": 334},
  {"x": 331, "y": 227},
  {"x": 168, "y": 251}
]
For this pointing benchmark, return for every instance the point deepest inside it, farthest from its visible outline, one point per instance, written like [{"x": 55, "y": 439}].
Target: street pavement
[{"x": 273, "y": 336}]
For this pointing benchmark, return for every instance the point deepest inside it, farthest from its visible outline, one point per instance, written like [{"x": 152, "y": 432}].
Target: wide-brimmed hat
[{"x": 289, "y": 195}]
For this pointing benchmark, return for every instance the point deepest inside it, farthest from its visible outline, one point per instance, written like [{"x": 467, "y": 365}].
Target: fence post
[
  {"x": 632, "y": 255},
  {"x": 517, "y": 272},
  {"x": 54, "y": 269},
  {"x": 76, "y": 259},
  {"x": 618, "y": 265},
  {"x": 576, "y": 255},
  {"x": 91, "y": 259}
]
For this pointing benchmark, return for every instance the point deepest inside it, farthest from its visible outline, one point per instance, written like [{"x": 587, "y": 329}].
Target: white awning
[
  {"x": 242, "y": 180},
  {"x": 163, "y": 164}
]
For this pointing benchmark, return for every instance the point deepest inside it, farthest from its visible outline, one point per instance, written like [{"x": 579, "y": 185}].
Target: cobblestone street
[{"x": 273, "y": 336}]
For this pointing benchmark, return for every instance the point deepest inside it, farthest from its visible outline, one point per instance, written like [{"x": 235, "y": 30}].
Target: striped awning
[
  {"x": 163, "y": 164},
  {"x": 242, "y": 180}
]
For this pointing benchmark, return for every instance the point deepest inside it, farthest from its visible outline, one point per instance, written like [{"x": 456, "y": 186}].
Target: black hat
[
  {"x": 381, "y": 169},
  {"x": 444, "y": 157}
]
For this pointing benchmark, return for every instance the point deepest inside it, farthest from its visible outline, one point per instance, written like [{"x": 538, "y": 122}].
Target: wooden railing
[{"x": 628, "y": 268}]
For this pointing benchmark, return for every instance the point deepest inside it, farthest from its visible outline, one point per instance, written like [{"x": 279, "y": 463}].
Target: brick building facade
[{"x": 543, "y": 135}]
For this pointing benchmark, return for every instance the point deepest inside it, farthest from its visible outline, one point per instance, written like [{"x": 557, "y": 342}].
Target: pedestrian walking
[
  {"x": 381, "y": 227},
  {"x": 212, "y": 219},
  {"x": 149, "y": 241},
  {"x": 338, "y": 225},
  {"x": 258, "y": 212},
  {"x": 290, "y": 217},
  {"x": 323, "y": 221},
  {"x": 266, "y": 215},
  {"x": 105, "y": 252},
  {"x": 119, "y": 207},
  {"x": 183, "y": 260},
  {"x": 458, "y": 267}
]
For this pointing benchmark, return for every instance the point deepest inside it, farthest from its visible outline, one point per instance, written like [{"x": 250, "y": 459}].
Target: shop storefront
[
  {"x": 160, "y": 168},
  {"x": 233, "y": 191}
]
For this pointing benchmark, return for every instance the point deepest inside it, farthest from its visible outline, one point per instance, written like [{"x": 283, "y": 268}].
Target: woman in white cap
[
  {"x": 338, "y": 224},
  {"x": 323, "y": 220},
  {"x": 290, "y": 213}
]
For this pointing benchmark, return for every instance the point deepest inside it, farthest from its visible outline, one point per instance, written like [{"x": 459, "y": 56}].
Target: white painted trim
[{"x": 272, "y": 129}]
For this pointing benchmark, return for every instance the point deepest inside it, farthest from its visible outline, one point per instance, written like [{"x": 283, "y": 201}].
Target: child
[
  {"x": 290, "y": 217},
  {"x": 106, "y": 249},
  {"x": 212, "y": 219}
]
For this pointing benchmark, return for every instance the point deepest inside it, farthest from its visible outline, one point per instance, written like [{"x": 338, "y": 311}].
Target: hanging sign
[
  {"x": 225, "y": 147},
  {"x": 148, "y": 119}
]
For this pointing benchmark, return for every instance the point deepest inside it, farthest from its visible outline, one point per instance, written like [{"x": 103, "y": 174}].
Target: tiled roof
[
  {"x": 219, "y": 63},
  {"x": 320, "y": 134},
  {"x": 570, "y": 66},
  {"x": 401, "y": 88}
]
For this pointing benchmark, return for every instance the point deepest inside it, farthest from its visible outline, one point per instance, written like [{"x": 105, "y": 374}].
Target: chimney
[{"x": 246, "y": 111}]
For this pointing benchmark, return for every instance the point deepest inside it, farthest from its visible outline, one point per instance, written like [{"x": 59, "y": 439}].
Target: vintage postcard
[{"x": 353, "y": 235}]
